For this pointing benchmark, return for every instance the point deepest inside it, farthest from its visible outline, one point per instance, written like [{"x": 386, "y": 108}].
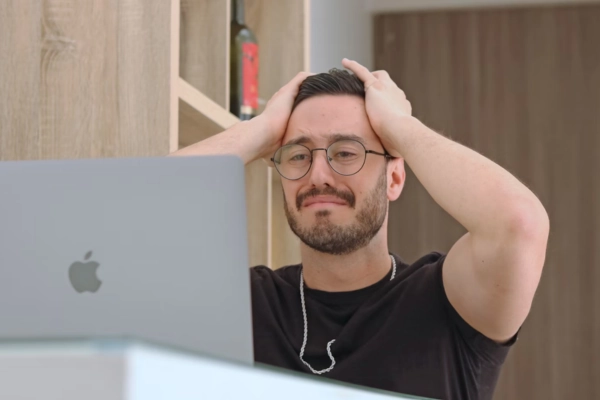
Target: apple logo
[{"x": 83, "y": 275}]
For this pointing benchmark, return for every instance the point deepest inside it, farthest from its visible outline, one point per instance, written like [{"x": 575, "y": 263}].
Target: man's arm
[
  {"x": 240, "y": 140},
  {"x": 257, "y": 138},
  {"x": 491, "y": 274}
]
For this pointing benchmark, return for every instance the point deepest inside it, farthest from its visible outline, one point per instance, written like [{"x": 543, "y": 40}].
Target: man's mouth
[
  {"x": 327, "y": 197},
  {"x": 324, "y": 201}
]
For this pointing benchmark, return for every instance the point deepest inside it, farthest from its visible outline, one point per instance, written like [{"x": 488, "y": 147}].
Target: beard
[{"x": 327, "y": 237}]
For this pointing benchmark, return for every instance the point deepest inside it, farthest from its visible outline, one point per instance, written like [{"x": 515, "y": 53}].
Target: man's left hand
[{"x": 386, "y": 104}]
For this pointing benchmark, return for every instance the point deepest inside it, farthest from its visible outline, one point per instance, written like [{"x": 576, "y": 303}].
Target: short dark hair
[{"x": 334, "y": 82}]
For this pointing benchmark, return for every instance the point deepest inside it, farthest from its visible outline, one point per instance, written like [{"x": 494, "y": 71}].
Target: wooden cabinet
[{"x": 132, "y": 78}]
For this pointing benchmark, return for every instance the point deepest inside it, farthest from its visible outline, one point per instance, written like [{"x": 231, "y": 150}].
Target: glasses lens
[
  {"x": 292, "y": 161},
  {"x": 346, "y": 156}
]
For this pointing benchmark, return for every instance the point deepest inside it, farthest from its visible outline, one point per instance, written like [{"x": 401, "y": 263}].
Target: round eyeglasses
[{"x": 346, "y": 157}]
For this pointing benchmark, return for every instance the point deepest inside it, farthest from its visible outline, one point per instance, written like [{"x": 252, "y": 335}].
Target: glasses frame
[{"x": 386, "y": 155}]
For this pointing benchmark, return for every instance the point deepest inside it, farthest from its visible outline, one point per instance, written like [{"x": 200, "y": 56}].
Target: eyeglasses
[{"x": 346, "y": 157}]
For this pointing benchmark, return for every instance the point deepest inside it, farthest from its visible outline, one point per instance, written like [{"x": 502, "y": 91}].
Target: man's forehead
[
  {"x": 324, "y": 138},
  {"x": 321, "y": 120}
]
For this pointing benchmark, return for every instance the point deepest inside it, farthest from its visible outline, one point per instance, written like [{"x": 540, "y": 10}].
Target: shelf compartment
[
  {"x": 199, "y": 116},
  {"x": 204, "y": 47}
]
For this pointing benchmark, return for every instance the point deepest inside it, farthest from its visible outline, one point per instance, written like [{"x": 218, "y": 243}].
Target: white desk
[{"x": 133, "y": 370}]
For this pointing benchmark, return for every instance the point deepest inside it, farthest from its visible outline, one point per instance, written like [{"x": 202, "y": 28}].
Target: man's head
[{"x": 331, "y": 212}]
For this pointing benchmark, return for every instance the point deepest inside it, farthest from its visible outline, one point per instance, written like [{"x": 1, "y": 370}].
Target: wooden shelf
[
  {"x": 199, "y": 116},
  {"x": 202, "y": 97},
  {"x": 204, "y": 47}
]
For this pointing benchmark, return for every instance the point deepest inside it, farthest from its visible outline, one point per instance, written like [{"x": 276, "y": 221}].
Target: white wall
[{"x": 338, "y": 29}]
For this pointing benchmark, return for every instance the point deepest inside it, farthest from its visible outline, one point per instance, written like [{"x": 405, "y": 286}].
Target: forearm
[
  {"x": 478, "y": 193},
  {"x": 240, "y": 140}
]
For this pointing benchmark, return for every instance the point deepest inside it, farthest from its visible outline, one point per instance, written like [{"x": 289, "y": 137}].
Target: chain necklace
[{"x": 306, "y": 325}]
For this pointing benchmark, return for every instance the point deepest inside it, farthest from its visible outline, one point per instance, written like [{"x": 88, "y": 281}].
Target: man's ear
[{"x": 396, "y": 175}]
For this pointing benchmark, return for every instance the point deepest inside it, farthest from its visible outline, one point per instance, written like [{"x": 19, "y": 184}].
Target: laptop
[{"x": 147, "y": 248}]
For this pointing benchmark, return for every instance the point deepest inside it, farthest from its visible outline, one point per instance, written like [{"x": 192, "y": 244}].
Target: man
[{"x": 439, "y": 328}]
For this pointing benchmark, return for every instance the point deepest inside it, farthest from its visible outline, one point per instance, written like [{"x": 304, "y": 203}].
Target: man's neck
[{"x": 332, "y": 273}]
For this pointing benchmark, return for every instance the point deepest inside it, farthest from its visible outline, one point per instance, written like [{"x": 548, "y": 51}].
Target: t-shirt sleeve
[{"x": 475, "y": 340}]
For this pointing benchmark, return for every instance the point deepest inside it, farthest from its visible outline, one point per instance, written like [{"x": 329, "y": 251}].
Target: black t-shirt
[{"x": 401, "y": 335}]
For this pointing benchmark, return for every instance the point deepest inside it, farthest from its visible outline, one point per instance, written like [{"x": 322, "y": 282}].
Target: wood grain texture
[
  {"x": 286, "y": 245},
  {"x": 257, "y": 206},
  {"x": 143, "y": 76},
  {"x": 20, "y": 46},
  {"x": 174, "y": 39},
  {"x": 279, "y": 27},
  {"x": 204, "y": 41},
  {"x": 200, "y": 117},
  {"x": 195, "y": 126},
  {"x": 522, "y": 87},
  {"x": 84, "y": 79}
]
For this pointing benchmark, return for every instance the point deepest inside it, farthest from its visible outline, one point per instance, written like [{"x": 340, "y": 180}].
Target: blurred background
[{"x": 517, "y": 81}]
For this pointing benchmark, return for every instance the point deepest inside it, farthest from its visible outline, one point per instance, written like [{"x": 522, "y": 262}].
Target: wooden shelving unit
[
  {"x": 88, "y": 80},
  {"x": 199, "y": 116},
  {"x": 202, "y": 98}
]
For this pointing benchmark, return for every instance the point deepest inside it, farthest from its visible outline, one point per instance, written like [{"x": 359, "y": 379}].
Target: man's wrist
[
  {"x": 405, "y": 129},
  {"x": 255, "y": 137}
]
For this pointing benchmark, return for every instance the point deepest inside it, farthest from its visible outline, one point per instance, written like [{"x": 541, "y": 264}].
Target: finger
[
  {"x": 296, "y": 81},
  {"x": 361, "y": 71},
  {"x": 300, "y": 77},
  {"x": 381, "y": 75}
]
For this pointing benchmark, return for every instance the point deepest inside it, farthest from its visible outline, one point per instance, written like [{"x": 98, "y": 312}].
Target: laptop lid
[{"x": 154, "y": 248}]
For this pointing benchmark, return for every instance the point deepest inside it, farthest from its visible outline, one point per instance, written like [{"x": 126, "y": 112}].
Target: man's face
[{"x": 329, "y": 212}]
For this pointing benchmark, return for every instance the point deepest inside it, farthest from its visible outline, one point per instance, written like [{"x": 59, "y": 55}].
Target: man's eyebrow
[
  {"x": 332, "y": 138},
  {"x": 345, "y": 136},
  {"x": 299, "y": 140}
]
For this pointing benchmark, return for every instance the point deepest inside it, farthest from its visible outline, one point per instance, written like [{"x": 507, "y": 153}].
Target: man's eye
[
  {"x": 344, "y": 154},
  {"x": 299, "y": 157}
]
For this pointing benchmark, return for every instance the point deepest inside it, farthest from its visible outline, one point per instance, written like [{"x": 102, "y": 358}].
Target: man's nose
[{"x": 320, "y": 173}]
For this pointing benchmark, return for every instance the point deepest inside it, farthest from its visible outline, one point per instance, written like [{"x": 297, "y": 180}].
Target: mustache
[{"x": 348, "y": 197}]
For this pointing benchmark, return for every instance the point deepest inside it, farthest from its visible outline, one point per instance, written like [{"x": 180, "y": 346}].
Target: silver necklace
[{"x": 306, "y": 325}]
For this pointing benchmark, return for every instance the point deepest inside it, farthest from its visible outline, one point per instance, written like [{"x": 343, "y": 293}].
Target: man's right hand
[
  {"x": 257, "y": 138},
  {"x": 275, "y": 117}
]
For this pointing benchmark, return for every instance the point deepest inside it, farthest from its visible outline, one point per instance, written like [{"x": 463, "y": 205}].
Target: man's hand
[
  {"x": 385, "y": 102},
  {"x": 277, "y": 113},
  {"x": 257, "y": 138}
]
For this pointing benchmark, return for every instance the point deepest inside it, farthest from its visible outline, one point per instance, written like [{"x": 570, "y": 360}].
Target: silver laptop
[{"x": 150, "y": 248}]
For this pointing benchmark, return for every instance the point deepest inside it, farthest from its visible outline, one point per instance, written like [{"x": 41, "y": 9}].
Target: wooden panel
[
  {"x": 286, "y": 246},
  {"x": 84, "y": 79},
  {"x": 194, "y": 126},
  {"x": 174, "y": 78},
  {"x": 204, "y": 55},
  {"x": 20, "y": 32},
  {"x": 257, "y": 205},
  {"x": 279, "y": 27},
  {"x": 142, "y": 77},
  {"x": 199, "y": 116},
  {"x": 522, "y": 88}
]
